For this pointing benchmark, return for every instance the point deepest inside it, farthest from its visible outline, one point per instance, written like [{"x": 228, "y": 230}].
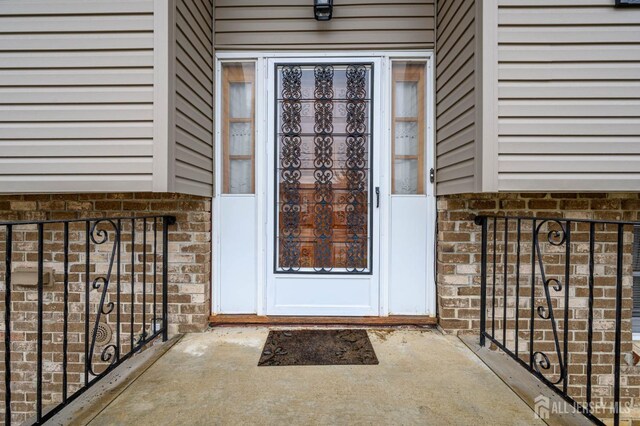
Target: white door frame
[{"x": 383, "y": 63}]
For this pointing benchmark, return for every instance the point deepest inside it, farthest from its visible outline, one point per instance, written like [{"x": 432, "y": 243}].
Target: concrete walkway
[{"x": 423, "y": 378}]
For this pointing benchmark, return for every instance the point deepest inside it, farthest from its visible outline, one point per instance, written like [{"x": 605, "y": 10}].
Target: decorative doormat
[{"x": 318, "y": 347}]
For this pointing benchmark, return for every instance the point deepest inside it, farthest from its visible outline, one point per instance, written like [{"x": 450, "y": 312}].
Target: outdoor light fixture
[{"x": 323, "y": 9}]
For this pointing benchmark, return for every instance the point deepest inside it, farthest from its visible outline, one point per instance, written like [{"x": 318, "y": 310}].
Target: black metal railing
[
  {"x": 86, "y": 295},
  {"x": 544, "y": 284}
]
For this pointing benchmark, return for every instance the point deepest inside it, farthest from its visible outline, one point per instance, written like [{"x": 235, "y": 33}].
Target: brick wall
[
  {"x": 458, "y": 264},
  {"x": 189, "y": 273}
]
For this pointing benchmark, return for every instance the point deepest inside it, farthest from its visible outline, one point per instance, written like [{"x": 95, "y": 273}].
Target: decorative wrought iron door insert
[{"x": 323, "y": 168}]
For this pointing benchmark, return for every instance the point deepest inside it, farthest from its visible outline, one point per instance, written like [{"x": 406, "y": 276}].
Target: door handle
[{"x": 377, "y": 196}]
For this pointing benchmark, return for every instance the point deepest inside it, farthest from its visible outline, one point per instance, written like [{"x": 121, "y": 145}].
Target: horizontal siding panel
[
  {"x": 68, "y": 95},
  {"x": 197, "y": 12},
  {"x": 311, "y": 38},
  {"x": 288, "y": 24},
  {"x": 464, "y": 90},
  {"x": 77, "y": 7},
  {"x": 94, "y": 130},
  {"x": 88, "y": 166},
  {"x": 61, "y": 113},
  {"x": 569, "y": 90},
  {"x": 189, "y": 19},
  {"x": 460, "y": 170},
  {"x": 455, "y": 97},
  {"x": 456, "y": 78},
  {"x": 76, "y": 24},
  {"x": 552, "y": 3},
  {"x": 456, "y": 126},
  {"x": 195, "y": 158},
  {"x": 534, "y": 54},
  {"x": 457, "y": 186},
  {"x": 75, "y": 183},
  {"x": 193, "y": 128},
  {"x": 569, "y": 108},
  {"x": 192, "y": 172},
  {"x": 425, "y": 9},
  {"x": 191, "y": 66},
  {"x": 455, "y": 36},
  {"x": 565, "y": 182},
  {"x": 456, "y": 156},
  {"x": 88, "y": 41},
  {"x": 568, "y": 35},
  {"x": 200, "y": 88},
  {"x": 302, "y": 25},
  {"x": 279, "y": 3},
  {"x": 77, "y": 148},
  {"x": 73, "y": 77},
  {"x": 196, "y": 115},
  {"x": 106, "y": 59},
  {"x": 194, "y": 98},
  {"x": 568, "y": 16},
  {"x": 465, "y": 103},
  {"x": 463, "y": 138},
  {"x": 569, "y": 96},
  {"x": 189, "y": 39},
  {"x": 569, "y": 163},
  {"x": 76, "y": 96},
  {"x": 572, "y": 72},
  {"x": 560, "y": 126},
  {"x": 569, "y": 144},
  {"x": 197, "y": 145}
]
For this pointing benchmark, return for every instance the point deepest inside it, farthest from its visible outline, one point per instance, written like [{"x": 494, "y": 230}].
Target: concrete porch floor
[{"x": 212, "y": 378}]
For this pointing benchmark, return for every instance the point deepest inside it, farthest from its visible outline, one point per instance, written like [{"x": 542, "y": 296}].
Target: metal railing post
[
  {"x": 168, "y": 221},
  {"x": 482, "y": 220},
  {"x": 7, "y": 326}
]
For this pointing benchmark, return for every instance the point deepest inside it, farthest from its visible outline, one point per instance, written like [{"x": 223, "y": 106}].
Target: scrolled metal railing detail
[
  {"x": 541, "y": 361},
  {"x": 543, "y": 316},
  {"x": 81, "y": 326},
  {"x": 100, "y": 236}
]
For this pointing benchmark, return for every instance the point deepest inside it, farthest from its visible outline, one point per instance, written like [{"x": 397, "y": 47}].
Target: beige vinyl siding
[
  {"x": 568, "y": 96},
  {"x": 356, "y": 24},
  {"x": 456, "y": 95},
  {"x": 76, "y": 95},
  {"x": 194, "y": 97}
]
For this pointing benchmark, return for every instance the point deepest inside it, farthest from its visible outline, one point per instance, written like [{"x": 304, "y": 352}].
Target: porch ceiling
[{"x": 423, "y": 377}]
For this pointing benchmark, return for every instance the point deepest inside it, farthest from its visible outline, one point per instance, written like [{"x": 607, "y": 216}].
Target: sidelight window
[
  {"x": 238, "y": 127},
  {"x": 408, "y": 129}
]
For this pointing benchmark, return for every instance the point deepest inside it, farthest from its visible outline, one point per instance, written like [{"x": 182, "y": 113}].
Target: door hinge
[{"x": 432, "y": 175}]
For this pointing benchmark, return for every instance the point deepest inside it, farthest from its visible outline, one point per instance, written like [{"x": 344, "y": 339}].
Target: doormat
[{"x": 318, "y": 347}]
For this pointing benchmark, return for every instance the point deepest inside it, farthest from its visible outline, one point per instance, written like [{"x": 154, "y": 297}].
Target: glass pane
[
  {"x": 322, "y": 166},
  {"x": 406, "y": 138},
  {"x": 240, "y": 105},
  {"x": 406, "y": 177},
  {"x": 240, "y": 138},
  {"x": 406, "y": 99},
  {"x": 409, "y": 105},
  {"x": 240, "y": 176},
  {"x": 238, "y": 127}
]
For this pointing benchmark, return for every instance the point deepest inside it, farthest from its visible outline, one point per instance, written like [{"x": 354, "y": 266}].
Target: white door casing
[{"x": 244, "y": 279}]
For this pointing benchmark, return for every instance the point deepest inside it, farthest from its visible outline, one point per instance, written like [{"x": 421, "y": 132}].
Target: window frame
[{"x": 420, "y": 120}]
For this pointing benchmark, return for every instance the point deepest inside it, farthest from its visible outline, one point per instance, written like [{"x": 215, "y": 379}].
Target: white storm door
[{"x": 323, "y": 188}]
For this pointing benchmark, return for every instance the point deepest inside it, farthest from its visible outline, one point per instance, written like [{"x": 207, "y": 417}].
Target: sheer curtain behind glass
[
  {"x": 408, "y": 127},
  {"x": 238, "y": 127}
]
